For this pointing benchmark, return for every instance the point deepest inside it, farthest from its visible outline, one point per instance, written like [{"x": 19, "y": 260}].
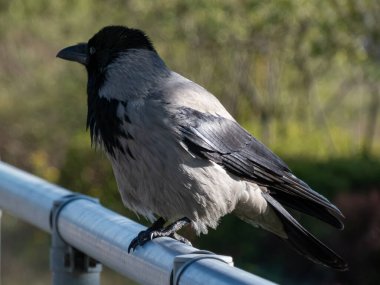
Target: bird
[{"x": 179, "y": 157}]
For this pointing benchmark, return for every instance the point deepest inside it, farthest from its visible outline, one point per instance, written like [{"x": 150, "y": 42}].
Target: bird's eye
[{"x": 92, "y": 50}]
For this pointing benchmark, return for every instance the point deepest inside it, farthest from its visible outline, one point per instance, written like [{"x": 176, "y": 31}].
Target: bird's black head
[
  {"x": 105, "y": 46},
  {"x": 98, "y": 55}
]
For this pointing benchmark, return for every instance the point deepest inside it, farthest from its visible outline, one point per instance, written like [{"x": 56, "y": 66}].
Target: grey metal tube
[
  {"x": 105, "y": 235},
  {"x": 28, "y": 197}
]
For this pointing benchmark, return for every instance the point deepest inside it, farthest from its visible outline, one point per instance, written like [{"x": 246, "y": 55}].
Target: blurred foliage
[{"x": 302, "y": 76}]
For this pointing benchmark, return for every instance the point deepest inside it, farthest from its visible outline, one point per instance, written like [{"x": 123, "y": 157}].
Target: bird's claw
[
  {"x": 144, "y": 236},
  {"x": 141, "y": 239},
  {"x": 181, "y": 239},
  {"x": 157, "y": 230}
]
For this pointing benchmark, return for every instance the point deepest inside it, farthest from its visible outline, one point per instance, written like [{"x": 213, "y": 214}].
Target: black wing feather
[{"x": 225, "y": 142}]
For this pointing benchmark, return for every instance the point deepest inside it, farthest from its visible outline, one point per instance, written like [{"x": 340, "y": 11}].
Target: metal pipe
[
  {"x": 105, "y": 235},
  {"x": 28, "y": 197}
]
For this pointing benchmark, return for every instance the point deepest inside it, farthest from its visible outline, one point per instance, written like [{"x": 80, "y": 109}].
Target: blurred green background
[{"x": 302, "y": 76}]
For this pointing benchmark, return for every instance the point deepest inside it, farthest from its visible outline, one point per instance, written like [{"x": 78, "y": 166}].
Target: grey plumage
[
  {"x": 176, "y": 152},
  {"x": 177, "y": 183}
]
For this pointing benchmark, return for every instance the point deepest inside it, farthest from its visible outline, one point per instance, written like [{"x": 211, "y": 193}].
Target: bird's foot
[
  {"x": 158, "y": 230},
  {"x": 181, "y": 239}
]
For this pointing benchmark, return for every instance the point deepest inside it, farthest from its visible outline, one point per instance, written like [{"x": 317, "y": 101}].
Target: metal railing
[{"x": 86, "y": 235}]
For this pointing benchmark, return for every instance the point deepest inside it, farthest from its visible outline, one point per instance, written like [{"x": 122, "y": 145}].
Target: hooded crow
[{"x": 179, "y": 157}]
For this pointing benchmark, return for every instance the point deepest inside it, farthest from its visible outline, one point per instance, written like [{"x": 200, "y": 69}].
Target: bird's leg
[
  {"x": 157, "y": 230},
  {"x": 171, "y": 229}
]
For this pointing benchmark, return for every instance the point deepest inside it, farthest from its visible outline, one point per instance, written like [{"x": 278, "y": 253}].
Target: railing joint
[
  {"x": 184, "y": 261},
  {"x": 68, "y": 264}
]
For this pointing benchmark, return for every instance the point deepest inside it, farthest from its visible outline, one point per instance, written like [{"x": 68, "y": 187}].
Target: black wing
[{"x": 226, "y": 143}]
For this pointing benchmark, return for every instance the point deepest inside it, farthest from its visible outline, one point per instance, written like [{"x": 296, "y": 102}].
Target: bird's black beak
[{"x": 76, "y": 53}]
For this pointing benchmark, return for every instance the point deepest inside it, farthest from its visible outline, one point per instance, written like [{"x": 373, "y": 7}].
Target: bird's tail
[{"x": 303, "y": 241}]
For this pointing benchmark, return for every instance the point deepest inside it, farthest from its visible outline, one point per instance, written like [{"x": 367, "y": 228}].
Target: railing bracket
[
  {"x": 68, "y": 264},
  {"x": 182, "y": 262}
]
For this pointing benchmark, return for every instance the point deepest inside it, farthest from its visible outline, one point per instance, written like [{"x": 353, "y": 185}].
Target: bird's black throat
[{"x": 102, "y": 120}]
